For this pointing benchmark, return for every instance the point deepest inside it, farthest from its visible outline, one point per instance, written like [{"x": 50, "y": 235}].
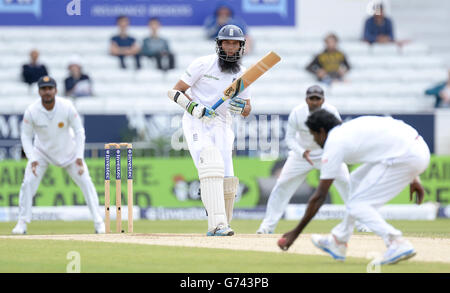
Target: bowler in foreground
[
  {"x": 392, "y": 155},
  {"x": 304, "y": 156}
]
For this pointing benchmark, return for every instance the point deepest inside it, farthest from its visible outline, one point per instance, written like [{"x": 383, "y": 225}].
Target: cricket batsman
[
  {"x": 208, "y": 133},
  {"x": 59, "y": 139}
]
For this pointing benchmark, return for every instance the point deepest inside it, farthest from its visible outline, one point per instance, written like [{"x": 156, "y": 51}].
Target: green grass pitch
[{"x": 19, "y": 255}]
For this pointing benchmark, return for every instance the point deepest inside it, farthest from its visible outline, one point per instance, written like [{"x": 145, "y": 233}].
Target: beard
[
  {"x": 48, "y": 101},
  {"x": 229, "y": 67}
]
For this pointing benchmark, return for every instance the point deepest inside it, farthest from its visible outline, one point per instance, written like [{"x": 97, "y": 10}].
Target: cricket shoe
[
  {"x": 99, "y": 228},
  {"x": 221, "y": 230},
  {"x": 263, "y": 230},
  {"x": 400, "y": 249},
  {"x": 20, "y": 228},
  {"x": 330, "y": 245}
]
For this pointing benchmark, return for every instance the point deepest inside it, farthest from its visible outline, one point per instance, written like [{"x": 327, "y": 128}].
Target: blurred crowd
[
  {"x": 122, "y": 45},
  {"x": 155, "y": 47},
  {"x": 328, "y": 66},
  {"x": 332, "y": 65}
]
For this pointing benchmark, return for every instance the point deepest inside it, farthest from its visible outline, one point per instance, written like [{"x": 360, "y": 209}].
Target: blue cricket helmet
[{"x": 230, "y": 32}]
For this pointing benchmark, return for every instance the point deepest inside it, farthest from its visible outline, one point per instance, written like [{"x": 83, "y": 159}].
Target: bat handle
[{"x": 219, "y": 102}]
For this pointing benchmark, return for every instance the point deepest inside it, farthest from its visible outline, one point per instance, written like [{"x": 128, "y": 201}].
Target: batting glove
[
  {"x": 199, "y": 111},
  {"x": 237, "y": 105}
]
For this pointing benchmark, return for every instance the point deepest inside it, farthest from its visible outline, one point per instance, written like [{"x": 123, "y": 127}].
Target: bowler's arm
[{"x": 314, "y": 204}]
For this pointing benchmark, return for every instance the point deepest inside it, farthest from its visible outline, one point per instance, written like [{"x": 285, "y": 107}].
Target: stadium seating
[
  {"x": 382, "y": 79},
  {"x": 426, "y": 21}
]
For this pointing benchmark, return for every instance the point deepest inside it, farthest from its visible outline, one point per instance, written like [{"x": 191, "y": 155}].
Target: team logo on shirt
[
  {"x": 61, "y": 124},
  {"x": 210, "y": 76}
]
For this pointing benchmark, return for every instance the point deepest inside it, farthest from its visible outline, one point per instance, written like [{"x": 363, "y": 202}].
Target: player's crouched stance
[
  {"x": 392, "y": 155},
  {"x": 208, "y": 132},
  {"x": 58, "y": 140}
]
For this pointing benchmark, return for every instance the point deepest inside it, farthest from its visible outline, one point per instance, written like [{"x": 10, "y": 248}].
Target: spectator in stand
[
  {"x": 123, "y": 45},
  {"x": 224, "y": 15},
  {"x": 442, "y": 93},
  {"x": 330, "y": 65},
  {"x": 378, "y": 28},
  {"x": 32, "y": 71},
  {"x": 157, "y": 47},
  {"x": 77, "y": 84}
]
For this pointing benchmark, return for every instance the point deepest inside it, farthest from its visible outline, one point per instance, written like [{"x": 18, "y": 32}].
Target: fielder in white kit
[
  {"x": 392, "y": 155},
  {"x": 304, "y": 156},
  {"x": 58, "y": 140},
  {"x": 208, "y": 133}
]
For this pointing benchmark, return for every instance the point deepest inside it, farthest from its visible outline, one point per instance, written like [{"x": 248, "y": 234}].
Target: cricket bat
[{"x": 248, "y": 77}]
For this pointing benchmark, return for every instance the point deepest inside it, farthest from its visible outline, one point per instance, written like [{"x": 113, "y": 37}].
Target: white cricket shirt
[
  {"x": 58, "y": 134},
  {"x": 207, "y": 83},
  {"x": 366, "y": 139},
  {"x": 298, "y": 137}
]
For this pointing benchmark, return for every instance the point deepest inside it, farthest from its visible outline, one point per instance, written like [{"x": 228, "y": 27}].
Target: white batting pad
[
  {"x": 211, "y": 173},
  {"x": 230, "y": 186}
]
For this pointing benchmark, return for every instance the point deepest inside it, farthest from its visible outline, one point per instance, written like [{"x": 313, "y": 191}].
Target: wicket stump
[{"x": 117, "y": 146}]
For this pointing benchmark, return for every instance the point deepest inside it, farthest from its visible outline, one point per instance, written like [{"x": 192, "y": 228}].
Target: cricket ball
[{"x": 282, "y": 243}]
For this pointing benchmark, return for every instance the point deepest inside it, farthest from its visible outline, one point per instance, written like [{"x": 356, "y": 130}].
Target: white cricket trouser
[
  {"x": 199, "y": 135},
  {"x": 31, "y": 183},
  {"x": 292, "y": 176},
  {"x": 373, "y": 185}
]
